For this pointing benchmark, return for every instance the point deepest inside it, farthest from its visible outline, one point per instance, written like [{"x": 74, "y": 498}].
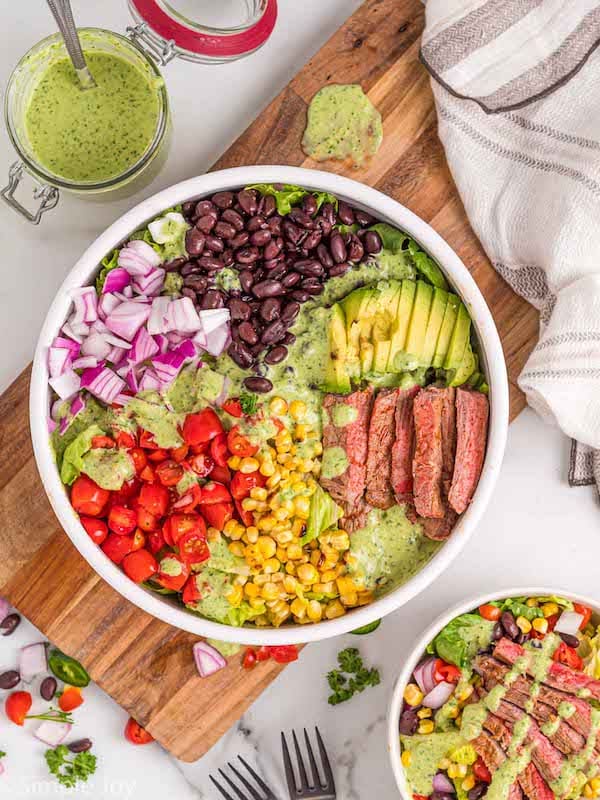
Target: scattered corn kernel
[
  {"x": 531, "y": 602},
  {"x": 248, "y": 465},
  {"x": 314, "y": 611},
  {"x": 270, "y": 591},
  {"x": 468, "y": 783},
  {"x": 444, "y": 764},
  {"x": 251, "y": 590},
  {"x": 235, "y": 595},
  {"x": 237, "y": 548},
  {"x": 334, "y": 609},
  {"x": 278, "y": 406},
  {"x": 549, "y": 609},
  {"x": 424, "y": 713},
  {"x": 234, "y": 462},
  {"x": 406, "y": 758},
  {"x": 524, "y": 624},
  {"x": 465, "y": 693},
  {"x": 297, "y": 409},
  {"x": 540, "y": 624},
  {"x": 267, "y": 468},
  {"x": 258, "y": 493},
  {"x": 426, "y": 726},
  {"x": 307, "y": 573}
]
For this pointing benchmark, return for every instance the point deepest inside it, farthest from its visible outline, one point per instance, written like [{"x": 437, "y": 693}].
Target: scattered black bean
[
  {"x": 194, "y": 241},
  {"x": 442, "y": 796},
  {"x": 9, "y": 624},
  {"x": 273, "y": 247},
  {"x": 270, "y": 309},
  {"x": 301, "y": 218},
  {"x": 372, "y": 242},
  {"x": 300, "y": 295},
  {"x": 214, "y": 244},
  {"x": 187, "y": 292},
  {"x": 356, "y": 251},
  {"x": 409, "y": 722},
  {"x": 309, "y": 267},
  {"x": 509, "y": 625},
  {"x": 206, "y": 224},
  {"x": 247, "y": 255},
  {"x": 80, "y": 746},
  {"x": 309, "y": 205},
  {"x": 240, "y": 354},
  {"x": 291, "y": 232},
  {"x": 289, "y": 339},
  {"x": 239, "y": 309},
  {"x": 258, "y": 385},
  {"x": 213, "y": 298},
  {"x": 291, "y": 279},
  {"x": 274, "y": 224},
  {"x": 246, "y": 280},
  {"x": 248, "y": 333},
  {"x": 337, "y": 248},
  {"x": 276, "y": 354},
  {"x": 9, "y": 679},
  {"x": 569, "y": 639},
  {"x": 497, "y": 631},
  {"x": 210, "y": 263},
  {"x": 477, "y": 791},
  {"x": 233, "y": 218},
  {"x": 345, "y": 213},
  {"x": 274, "y": 332},
  {"x": 363, "y": 218},
  {"x": 261, "y": 237},
  {"x": 338, "y": 269},
  {"x": 225, "y": 229},
  {"x": 48, "y": 688},
  {"x": 242, "y": 238},
  {"x": 189, "y": 268},
  {"x": 247, "y": 200}
]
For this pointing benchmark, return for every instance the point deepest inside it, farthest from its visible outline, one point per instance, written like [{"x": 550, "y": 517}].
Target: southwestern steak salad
[
  {"x": 506, "y": 704},
  {"x": 269, "y": 405}
]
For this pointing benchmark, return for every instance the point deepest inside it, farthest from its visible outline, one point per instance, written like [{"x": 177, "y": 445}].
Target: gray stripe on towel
[{"x": 571, "y": 337}]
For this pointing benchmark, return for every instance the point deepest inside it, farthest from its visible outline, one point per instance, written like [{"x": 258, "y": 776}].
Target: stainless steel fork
[
  {"x": 252, "y": 791},
  {"x": 322, "y": 786}
]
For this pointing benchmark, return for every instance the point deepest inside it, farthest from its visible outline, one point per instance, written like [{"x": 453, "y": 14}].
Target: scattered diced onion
[
  {"x": 569, "y": 622},
  {"x": 208, "y": 659},
  {"x": 33, "y": 660},
  {"x": 127, "y": 318},
  {"x": 116, "y": 280},
  {"x": 103, "y": 383},
  {"x": 66, "y": 385},
  {"x": 438, "y": 695},
  {"x": 52, "y": 733},
  {"x": 443, "y": 784},
  {"x": 424, "y": 674}
]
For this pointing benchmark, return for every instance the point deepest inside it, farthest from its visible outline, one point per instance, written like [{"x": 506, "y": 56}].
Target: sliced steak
[
  {"x": 427, "y": 461},
  {"x": 348, "y": 488},
  {"x": 448, "y": 396},
  {"x": 440, "y": 529},
  {"x": 382, "y": 431},
  {"x": 471, "y": 435},
  {"x": 558, "y": 676},
  {"x": 404, "y": 445},
  {"x": 565, "y": 739},
  {"x": 493, "y": 756},
  {"x": 358, "y": 518}
]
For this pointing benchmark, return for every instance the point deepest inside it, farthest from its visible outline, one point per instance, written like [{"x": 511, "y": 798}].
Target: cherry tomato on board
[
  {"x": 173, "y": 572},
  {"x": 233, "y": 407},
  {"x": 263, "y": 653},
  {"x": 490, "y": 612},
  {"x": 140, "y": 565},
  {"x": 154, "y": 498},
  {"x": 17, "y": 705},
  {"x": 88, "y": 498},
  {"x": 202, "y": 427},
  {"x": 70, "y": 699},
  {"x": 585, "y": 611},
  {"x": 139, "y": 540},
  {"x": 249, "y": 659},
  {"x": 284, "y": 653},
  {"x": 240, "y": 445},
  {"x": 135, "y": 734},
  {"x": 147, "y": 474},
  {"x": 96, "y": 529},
  {"x": 217, "y": 515},
  {"x": 122, "y": 520},
  {"x": 447, "y": 673},
  {"x": 568, "y": 656}
]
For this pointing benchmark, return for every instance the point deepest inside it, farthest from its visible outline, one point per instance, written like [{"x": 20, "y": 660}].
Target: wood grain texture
[{"x": 146, "y": 665}]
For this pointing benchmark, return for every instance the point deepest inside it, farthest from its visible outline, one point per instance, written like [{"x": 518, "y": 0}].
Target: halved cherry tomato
[
  {"x": 218, "y": 515},
  {"x": 219, "y": 451},
  {"x": 181, "y": 525},
  {"x": 169, "y": 472},
  {"x": 96, "y": 529},
  {"x": 201, "y": 427},
  {"x": 213, "y": 492},
  {"x": 17, "y": 705},
  {"x": 117, "y": 547},
  {"x": 420, "y": 796},
  {"x": 188, "y": 501},
  {"x": 147, "y": 441},
  {"x": 193, "y": 548},
  {"x": 88, "y": 498},
  {"x": 568, "y": 656},
  {"x": 148, "y": 474},
  {"x": 241, "y": 483},
  {"x": 122, "y": 520},
  {"x": 284, "y": 653},
  {"x": 145, "y": 520},
  {"x": 135, "y": 734},
  {"x": 139, "y": 458},
  {"x": 154, "y": 498},
  {"x": 125, "y": 440},
  {"x": 123, "y": 496},
  {"x": 249, "y": 659},
  {"x": 239, "y": 445},
  {"x": 245, "y": 517},
  {"x": 481, "y": 772},
  {"x": 198, "y": 449},
  {"x": 490, "y": 612},
  {"x": 70, "y": 699},
  {"x": 179, "y": 453},
  {"x": 263, "y": 653},
  {"x": 221, "y": 475},
  {"x": 233, "y": 407},
  {"x": 585, "y": 611},
  {"x": 446, "y": 672},
  {"x": 140, "y": 565},
  {"x": 191, "y": 594},
  {"x": 202, "y": 464},
  {"x": 139, "y": 540},
  {"x": 552, "y": 620},
  {"x": 173, "y": 572},
  {"x": 102, "y": 442},
  {"x": 155, "y": 541},
  {"x": 166, "y": 532},
  {"x": 159, "y": 455}
]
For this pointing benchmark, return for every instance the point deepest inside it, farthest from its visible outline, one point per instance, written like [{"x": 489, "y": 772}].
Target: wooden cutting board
[{"x": 147, "y": 665}]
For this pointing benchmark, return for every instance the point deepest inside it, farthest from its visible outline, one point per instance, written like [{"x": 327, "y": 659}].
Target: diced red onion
[
  {"x": 142, "y": 347},
  {"x": 127, "y": 318},
  {"x": 52, "y": 733},
  {"x": 569, "y": 622},
  {"x": 183, "y": 317},
  {"x": 51, "y": 424},
  {"x": 132, "y": 381},
  {"x": 218, "y": 340},
  {"x": 134, "y": 264},
  {"x": 63, "y": 425},
  {"x": 116, "y": 280},
  {"x": 33, "y": 660},
  {"x": 162, "y": 342},
  {"x": 122, "y": 399},
  {"x": 438, "y": 695},
  {"x": 187, "y": 349},
  {"x": 208, "y": 659},
  {"x": 157, "y": 321},
  {"x": 115, "y": 355},
  {"x": 149, "y": 381},
  {"x": 70, "y": 333},
  {"x": 99, "y": 326},
  {"x": 66, "y": 385},
  {"x": 200, "y": 339},
  {"x": 128, "y": 292},
  {"x": 95, "y": 345},
  {"x": 175, "y": 338},
  {"x": 85, "y": 362},
  {"x": 167, "y": 367},
  {"x": 59, "y": 359},
  {"x": 69, "y": 344},
  {"x": 150, "y": 284},
  {"x": 85, "y": 301},
  {"x": 78, "y": 405},
  {"x": 145, "y": 251},
  {"x": 212, "y": 318},
  {"x": 103, "y": 383},
  {"x": 115, "y": 341},
  {"x": 443, "y": 784},
  {"x": 106, "y": 304},
  {"x": 424, "y": 674}
]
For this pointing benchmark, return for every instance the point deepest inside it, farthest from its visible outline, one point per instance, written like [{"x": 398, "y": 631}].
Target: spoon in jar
[{"x": 62, "y": 13}]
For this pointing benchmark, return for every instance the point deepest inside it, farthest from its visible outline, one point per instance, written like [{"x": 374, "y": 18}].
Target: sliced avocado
[
  {"x": 336, "y": 377},
  {"x": 365, "y": 329},
  {"x": 400, "y": 327},
  {"x": 417, "y": 329},
  {"x": 381, "y": 356},
  {"x": 355, "y": 308},
  {"x": 467, "y": 367},
  {"x": 458, "y": 341},
  {"x": 385, "y": 318},
  {"x": 434, "y": 325},
  {"x": 448, "y": 323}
]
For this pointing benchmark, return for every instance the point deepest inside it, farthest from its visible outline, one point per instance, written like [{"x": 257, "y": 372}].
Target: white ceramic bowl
[
  {"x": 416, "y": 654},
  {"x": 384, "y": 208}
]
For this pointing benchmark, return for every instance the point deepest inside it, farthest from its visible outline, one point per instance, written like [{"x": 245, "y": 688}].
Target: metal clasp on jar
[
  {"x": 162, "y": 51},
  {"x": 47, "y": 195}
]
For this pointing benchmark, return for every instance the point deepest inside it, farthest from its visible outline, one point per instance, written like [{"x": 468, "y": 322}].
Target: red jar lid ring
[{"x": 203, "y": 43}]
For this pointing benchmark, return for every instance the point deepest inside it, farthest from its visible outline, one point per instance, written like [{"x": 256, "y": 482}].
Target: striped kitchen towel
[{"x": 517, "y": 90}]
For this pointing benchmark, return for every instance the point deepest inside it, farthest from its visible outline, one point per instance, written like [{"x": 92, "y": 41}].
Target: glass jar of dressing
[{"x": 114, "y": 138}]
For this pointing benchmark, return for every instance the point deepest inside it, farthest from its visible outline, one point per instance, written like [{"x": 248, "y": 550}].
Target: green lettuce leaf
[
  {"x": 108, "y": 262},
  {"x": 518, "y": 608},
  {"x": 72, "y": 461},
  {"x": 324, "y": 513},
  {"x": 462, "y": 638},
  {"x": 395, "y": 241},
  {"x": 553, "y": 598},
  {"x": 289, "y": 195}
]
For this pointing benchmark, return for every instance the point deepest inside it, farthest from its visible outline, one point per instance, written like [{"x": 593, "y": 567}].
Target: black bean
[
  {"x": 309, "y": 267},
  {"x": 240, "y": 240},
  {"x": 187, "y": 209},
  {"x": 269, "y": 206},
  {"x": 291, "y": 279},
  {"x": 290, "y": 311},
  {"x": 289, "y": 338},
  {"x": 210, "y": 263},
  {"x": 355, "y": 249},
  {"x": 268, "y": 288},
  {"x": 272, "y": 263},
  {"x": 194, "y": 241},
  {"x": 213, "y": 298},
  {"x": 9, "y": 624},
  {"x": 233, "y": 218},
  {"x": 276, "y": 354},
  {"x": 240, "y": 354},
  {"x": 239, "y": 309},
  {"x": 255, "y": 223},
  {"x": 225, "y": 230},
  {"x": 80, "y": 746},
  {"x": 309, "y": 205},
  {"x": 324, "y": 225},
  {"x": 569, "y": 639},
  {"x": 274, "y": 224},
  {"x": 300, "y": 295},
  {"x": 246, "y": 280},
  {"x": 187, "y": 292},
  {"x": 259, "y": 385},
  {"x": 337, "y": 248},
  {"x": 279, "y": 272},
  {"x": 328, "y": 213},
  {"x": 312, "y": 240},
  {"x": 206, "y": 224},
  {"x": 174, "y": 265},
  {"x": 273, "y": 248},
  {"x": 9, "y": 679},
  {"x": 270, "y": 309},
  {"x": 509, "y": 624},
  {"x": 247, "y": 255},
  {"x": 247, "y": 333},
  {"x": 477, "y": 791},
  {"x": 301, "y": 218},
  {"x": 204, "y": 207},
  {"x": 345, "y": 213},
  {"x": 274, "y": 332},
  {"x": 261, "y": 203},
  {"x": 372, "y": 242},
  {"x": 261, "y": 237},
  {"x": 409, "y": 722},
  {"x": 338, "y": 269},
  {"x": 291, "y": 232},
  {"x": 223, "y": 199},
  {"x": 313, "y": 288},
  {"x": 497, "y": 631},
  {"x": 247, "y": 199},
  {"x": 190, "y": 268},
  {"x": 214, "y": 244},
  {"x": 324, "y": 256},
  {"x": 227, "y": 257},
  {"x": 363, "y": 218},
  {"x": 48, "y": 688}
]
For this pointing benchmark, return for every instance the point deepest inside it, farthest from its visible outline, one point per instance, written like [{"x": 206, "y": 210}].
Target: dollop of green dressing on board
[
  {"x": 342, "y": 124},
  {"x": 92, "y": 135}
]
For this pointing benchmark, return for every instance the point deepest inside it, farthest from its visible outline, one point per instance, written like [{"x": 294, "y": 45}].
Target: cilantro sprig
[
  {"x": 351, "y": 678},
  {"x": 53, "y": 715},
  {"x": 248, "y": 402},
  {"x": 70, "y": 771}
]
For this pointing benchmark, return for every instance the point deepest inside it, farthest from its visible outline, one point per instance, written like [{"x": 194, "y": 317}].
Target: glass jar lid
[{"x": 204, "y": 30}]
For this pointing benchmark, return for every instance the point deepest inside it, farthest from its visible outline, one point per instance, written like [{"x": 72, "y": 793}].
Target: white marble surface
[{"x": 536, "y": 529}]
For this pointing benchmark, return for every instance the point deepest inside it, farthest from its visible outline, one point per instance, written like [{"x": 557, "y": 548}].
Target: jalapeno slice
[
  {"x": 372, "y": 626},
  {"x": 67, "y": 669}
]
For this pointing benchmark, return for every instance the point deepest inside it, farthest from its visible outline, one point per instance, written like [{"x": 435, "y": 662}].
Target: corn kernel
[
  {"x": 531, "y": 602},
  {"x": 302, "y": 506},
  {"x": 413, "y": 695},
  {"x": 468, "y": 783},
  {"x": 266, "y": 523},
  {"x": 307, "y": 573},
  {"x": 444, "y": 764},
  {"x": 258, "y": 493},
  {"x": 267, "y": 468},
  {"x": 540, "y": 624},
  {"x": 345, "y": 585},
  {"x": 297, "y": 409},
  {"x": 252, "y": 534},
  {"x": 327, "y": 576},
  {"x": 298, "y": 607},
  {"x": 424, "y": 713},
  {"x": 270, "y": 591},
  {"x": 271, "y": 566},
  {"x": 298, "y": 526},
  {"x": 253, "y": 555},
  {"x": 267, "y": 546},
  {"x": 316, "y": 558},
  {"x": 234, "y": 462},
  {"x": 406, "y": 758},
  {"x": 294, "y": 551},
  {"x": 465, "y": 693},
  {"x": 284, "y": 536},
  {"x": 235, "y": 595},
  {"x": 364, "y": 598},
  {"x": 237, "y": 548},
  {"x": 213, "y": 535},
  {"x": 595, "y": 784},
  {"x": 301, "y": 432},
  {"x": 248, "y": 465},
  {"x": 307, "y": 465},
  {"x": 317, "y": 448},
  {"x": 588, "y": 792},
  {"x": 251, "y": 590},
  {"x": 453, "y": 713},
  {"x": 324, "y": 588},
  {"x": 524, "y": 624},
  {"x": 274, "y": 479},
  {"x": 281, "y": 514},
  {"x": 290, "y": 568},
  {"x": 278, "y": 406},
  {"x": 249, "y": 504},
  {"x": 426, "y": 726},
  {"x": 334, "y": 609},
  {"x": 230, "y": 526},
  {"x": 549, "y": 609},
  {"x": 340, "y": 540},
  {"x": 314, "y": 610},
  {"x": 349, "y": 600}
]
